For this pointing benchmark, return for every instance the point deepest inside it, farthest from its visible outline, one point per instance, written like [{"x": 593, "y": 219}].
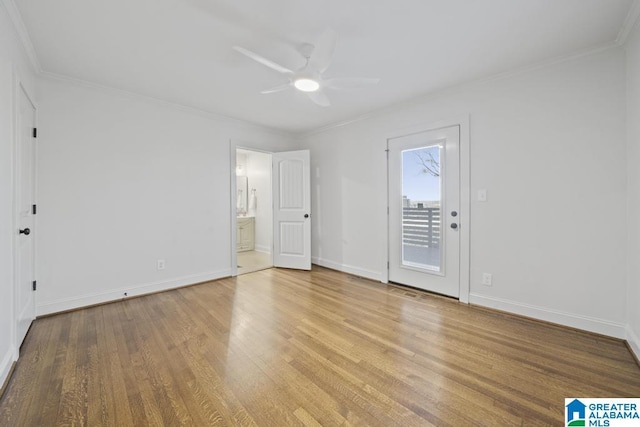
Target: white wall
[
  {"x": 549, "y": 146},
  {"x": 125, "y": 181},
  {"x": 14, "y": 67},
  {"x": 633, "y": 213},
  {"x": 259, "y": 177}
]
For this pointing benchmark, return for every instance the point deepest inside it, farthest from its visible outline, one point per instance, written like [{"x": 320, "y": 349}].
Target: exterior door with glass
[{"x": 424, "y": 210}]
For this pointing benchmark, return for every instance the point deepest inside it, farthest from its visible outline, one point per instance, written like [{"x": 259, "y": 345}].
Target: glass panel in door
[{"x": 421, "y": 208}]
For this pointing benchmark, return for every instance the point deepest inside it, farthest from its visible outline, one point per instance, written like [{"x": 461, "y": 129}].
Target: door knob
[
  {"x": 306, "y": 215},
  {"x": 454, "y": 213},
  {"x": 26, "y": 231},
  {"x": 454, "y": 225}
]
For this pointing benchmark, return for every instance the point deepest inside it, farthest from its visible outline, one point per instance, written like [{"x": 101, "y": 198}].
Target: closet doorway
[{"x": 254, "y": 211}]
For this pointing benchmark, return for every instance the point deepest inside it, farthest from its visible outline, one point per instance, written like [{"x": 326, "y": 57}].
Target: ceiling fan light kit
[
  {"x": 306, "y": 85},
  {"x": 309, "y": 79}
]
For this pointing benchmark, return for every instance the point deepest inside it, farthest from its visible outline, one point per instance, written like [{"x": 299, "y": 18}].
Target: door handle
[
  {"x": 454, "y": 226},
  {"x": 26, "y": 231},
  {"x": 306, "y": 215}
]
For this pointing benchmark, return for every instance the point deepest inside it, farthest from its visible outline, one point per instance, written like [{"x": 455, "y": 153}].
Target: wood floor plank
[{"x": 284, "y": 347}]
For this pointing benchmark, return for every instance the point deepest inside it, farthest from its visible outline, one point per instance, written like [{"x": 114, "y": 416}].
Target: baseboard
[
  {"x": 590, "y": 324},
  {"x": 5, "y": 369},
  {"x": 634, "y": 342},
  {"x": 373, "y": 275},
  {"x": 65, "y": 304},
  {"x": 265, "y": 249}
]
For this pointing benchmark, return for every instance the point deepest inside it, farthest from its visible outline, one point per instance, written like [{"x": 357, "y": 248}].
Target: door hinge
[
  {"x": 33, "y": 209},
  {"x": 388, "y": 265},
  {"x": 35, "y": 132},
  {"x": 34, "y": 285}
]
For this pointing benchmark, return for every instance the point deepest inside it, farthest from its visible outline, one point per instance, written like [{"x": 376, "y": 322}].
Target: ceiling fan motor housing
[{"x": 306, "y": 50}]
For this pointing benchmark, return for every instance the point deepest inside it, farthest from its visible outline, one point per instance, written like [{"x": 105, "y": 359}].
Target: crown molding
[
  {"x": 23, "y": 34},
  {"x": 210, "y": 115},
  {"x": 629, "y": 23},
  {"x": 455, "y": 88}
]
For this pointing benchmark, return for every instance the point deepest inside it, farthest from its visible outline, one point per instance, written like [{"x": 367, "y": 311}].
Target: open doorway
[{"x": 254, "y": 211}]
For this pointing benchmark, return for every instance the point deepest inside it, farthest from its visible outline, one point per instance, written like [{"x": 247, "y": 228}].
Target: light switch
[{"x": 482, "y": 195}]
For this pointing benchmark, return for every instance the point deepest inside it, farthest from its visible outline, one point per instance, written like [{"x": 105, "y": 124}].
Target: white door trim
[
  {"x": 233, "y": 146},
  {"x": 19, "y": 86},
  {"x": 232, "y": 209},
  {"x": 465, "y": 203}
]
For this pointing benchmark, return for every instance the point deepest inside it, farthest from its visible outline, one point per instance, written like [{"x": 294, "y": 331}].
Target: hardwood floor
[{"x": 280, "y": 347}]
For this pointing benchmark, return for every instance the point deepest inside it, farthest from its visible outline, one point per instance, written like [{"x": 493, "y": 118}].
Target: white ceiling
[{"x": 181, "y": 50}]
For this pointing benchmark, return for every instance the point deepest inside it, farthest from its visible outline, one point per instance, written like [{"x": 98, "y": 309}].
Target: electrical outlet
[
  {"x": 487, "y": 279},
  {"x": 160, "y": 265}
]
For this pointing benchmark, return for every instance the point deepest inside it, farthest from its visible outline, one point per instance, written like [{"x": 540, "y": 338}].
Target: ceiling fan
[{"x": 310, "y": 78}]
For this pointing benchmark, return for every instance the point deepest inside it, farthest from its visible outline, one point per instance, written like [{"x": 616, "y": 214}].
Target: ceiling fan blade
[
  {"x": 263, "y": 60},
  {"x": 275, "y": 89},
  {"x": 324, "y": 48},
  {"x": 319, "y": 98},
  {"x": 349, "y": 82}
]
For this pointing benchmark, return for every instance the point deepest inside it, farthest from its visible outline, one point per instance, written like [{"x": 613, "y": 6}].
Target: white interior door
[
  {"x": 25, "y": 196},
  {"x": 424, "y": 210},
  {"x": 291, "y": 210}
]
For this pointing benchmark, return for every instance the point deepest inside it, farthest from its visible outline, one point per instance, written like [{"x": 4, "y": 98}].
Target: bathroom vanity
[{"x": 246, "y": 233}]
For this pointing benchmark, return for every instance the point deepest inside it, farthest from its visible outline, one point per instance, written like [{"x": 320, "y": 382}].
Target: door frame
[
  {"x": 18, "y": 86},
  {"x": 233, "y": 146},
  {"x": 465, "y": 193}
]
